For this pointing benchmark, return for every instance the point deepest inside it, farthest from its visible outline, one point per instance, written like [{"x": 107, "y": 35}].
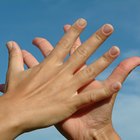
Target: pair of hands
[{"x": 54, "y": 90}]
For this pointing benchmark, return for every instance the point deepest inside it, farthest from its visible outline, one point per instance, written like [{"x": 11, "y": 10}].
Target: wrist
[
  {"x": 106, "y": 133},
  {"x": 9, "y": 124}
]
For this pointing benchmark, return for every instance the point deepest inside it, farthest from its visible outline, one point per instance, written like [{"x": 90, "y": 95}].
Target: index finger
[{"x": 66, "y": 42}]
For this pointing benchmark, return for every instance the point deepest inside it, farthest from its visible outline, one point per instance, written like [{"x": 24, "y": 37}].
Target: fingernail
[
  {"x": 114, "y": 50},
  {"x": 9, "y": 45},
  {"x": 117, "y": 86},
  {"x": 107, "y": 28},
  {"x": 81, "y": 22}
]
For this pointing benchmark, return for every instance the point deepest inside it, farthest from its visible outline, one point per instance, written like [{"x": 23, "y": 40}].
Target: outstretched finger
[
  {"x": 93, "y": 96},
  {"x": 123, "y": 69},
  {"x": 15, "y": 58},
  {"x": 29, "y": 59},
  {"x": 75, "y": 46},
  {"x": 66, "y": 42},
  {"x": 44, "y": 45},
  {"x": 77, "y": 42}
]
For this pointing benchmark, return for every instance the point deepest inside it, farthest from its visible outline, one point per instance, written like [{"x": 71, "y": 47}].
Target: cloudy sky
[{"x": 23, "y": 20}]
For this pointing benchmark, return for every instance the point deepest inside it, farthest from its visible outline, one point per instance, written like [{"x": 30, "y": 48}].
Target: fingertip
[
  {"x": 107, "y": 29},
  {"x": 114, "y": 51},
  {"x": 24, "y": 53},
  {"x": 116, "y": 86},
  {"x": 9, "y": 45},
  {"x": 37, "y": 40},
  {"x": 12, "y": 45},
  {"x": 81, "y": 23},
  {"x": 67, "y": 27}
]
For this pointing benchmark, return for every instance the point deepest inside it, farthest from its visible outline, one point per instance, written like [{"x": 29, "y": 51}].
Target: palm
[{"x": 93, "y": 117}]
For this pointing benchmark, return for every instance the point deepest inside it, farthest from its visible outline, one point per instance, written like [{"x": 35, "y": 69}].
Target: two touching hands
[{"x": 54, "y": 90}]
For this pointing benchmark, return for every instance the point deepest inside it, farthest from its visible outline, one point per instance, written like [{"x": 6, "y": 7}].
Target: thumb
[{"x": 15, "y": 58}]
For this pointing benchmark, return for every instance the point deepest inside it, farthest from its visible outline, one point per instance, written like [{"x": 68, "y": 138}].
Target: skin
[
  {"x": 34, "y": 98},
  {"x": 93, "y": 122}
]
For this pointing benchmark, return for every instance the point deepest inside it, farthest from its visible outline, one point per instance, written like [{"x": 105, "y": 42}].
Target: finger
[
  {"x": 121, "y": 72},
  {"x": 87, "y": 48},
  {"x": 94, "y": 69},
  {"x": 123, "y": 69},
  {"x": 77, "y": 42},
  {"x": 2, "y": 87},
  {"x": 44, "y": 45},
  {"x": 64, "y": 45},
  {"x": 15, "y": 58},
  {"x": 97, "y": 95},
  {"x": 29, "y": 59},
  {"x": 75, "y": 46}
]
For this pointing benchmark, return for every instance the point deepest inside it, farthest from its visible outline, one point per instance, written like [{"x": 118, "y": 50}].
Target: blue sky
[{"x": 23, "y": 20}]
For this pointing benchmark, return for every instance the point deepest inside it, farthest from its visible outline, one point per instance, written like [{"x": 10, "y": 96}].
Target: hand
[
  {"x": 93, "y": 120},
  {"x": 35, "y": 97}
]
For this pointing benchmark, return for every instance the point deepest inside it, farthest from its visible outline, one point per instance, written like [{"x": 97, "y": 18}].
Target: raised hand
[
  {"x": 48, "y": 93},
  {"x": 93, "y": 121}
]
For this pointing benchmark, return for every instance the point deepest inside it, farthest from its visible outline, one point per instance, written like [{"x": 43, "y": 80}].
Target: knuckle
[
  {"x": 82, "y": 52},
  {"x": 89, "y": 72},
  {"x": 75, "y": 46},
  {"x": 123, "y": 66},
  {"x": 92, "y": 98},
  {"x": 106, "y": 92},
  {"x": 64, "y": 43},
  {"x": 99, "y": 37},
  {"x": 78, "y": 102},
  {"x": 80, "y": 77},
  {"x": 75, "y": 29},
  {"x": 106, "y": 58}
]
